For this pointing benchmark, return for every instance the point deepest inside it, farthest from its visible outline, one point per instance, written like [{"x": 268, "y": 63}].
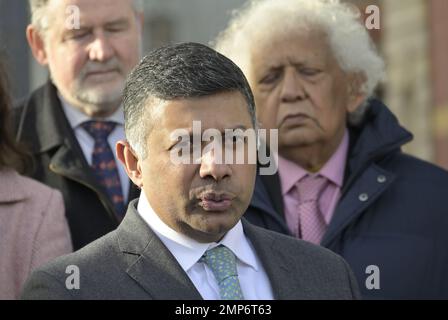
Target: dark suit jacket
[
  {"x": 393, "y": 213},
  {"x": 59, "y": 163},
  {"x": 132, "y": 263}
]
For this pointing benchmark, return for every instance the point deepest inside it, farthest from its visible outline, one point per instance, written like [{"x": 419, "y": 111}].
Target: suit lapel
[
  {"x": 261, "y": 200},
  {"x": 363, "y": 192},
  {"x": 41, "y": 121},
  {"x": 273, "y": 188},
  {"x": 70, "y": 164},
  {"x": 151, "y": 264},
  {"x": 276, "y": 263}
]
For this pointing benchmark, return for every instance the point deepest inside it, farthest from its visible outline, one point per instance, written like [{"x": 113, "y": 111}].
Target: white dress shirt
[
  {"x": 75, "y": 117},
  {"x": 253, "y": 279}
]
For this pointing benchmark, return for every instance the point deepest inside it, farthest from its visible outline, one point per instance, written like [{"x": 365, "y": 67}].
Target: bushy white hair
[{"x": 349, "y": 41}]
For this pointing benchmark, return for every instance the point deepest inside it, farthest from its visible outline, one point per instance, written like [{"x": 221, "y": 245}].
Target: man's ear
[
  {"x": 37, "y": 44},
  {"x": 130, "y": 162},
  {"x": 355, "y": 94}
]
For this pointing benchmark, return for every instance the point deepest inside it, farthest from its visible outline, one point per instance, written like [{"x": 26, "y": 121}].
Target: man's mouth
[
  {"x": 295, "y": 119},
  {"x": 215, "y": 201},
  {"x": 100, "y": 72}
]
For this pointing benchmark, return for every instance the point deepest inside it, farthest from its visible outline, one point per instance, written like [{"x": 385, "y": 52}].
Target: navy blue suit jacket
[{"x": 393, "y": 213}]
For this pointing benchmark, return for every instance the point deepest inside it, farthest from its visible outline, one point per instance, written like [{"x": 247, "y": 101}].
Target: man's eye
[
  {"x": 183, "y": 145},
  {"x": 115, "y": 29},
  {"x": 182, "y": 148},
  {"x": 270, "y": 78},
  {"x": 77, "y": 35}
]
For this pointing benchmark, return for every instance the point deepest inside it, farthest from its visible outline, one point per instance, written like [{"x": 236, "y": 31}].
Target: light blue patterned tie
[{"x": 222, "y": 262}]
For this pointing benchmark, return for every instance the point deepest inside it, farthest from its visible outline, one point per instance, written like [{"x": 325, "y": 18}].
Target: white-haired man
[
  {"x": 343, "y": 181},
  {"x": 73, "y": 122}
]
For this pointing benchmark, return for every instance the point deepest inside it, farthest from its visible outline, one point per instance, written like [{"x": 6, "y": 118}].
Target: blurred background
[{"x": 413, "y": 39}]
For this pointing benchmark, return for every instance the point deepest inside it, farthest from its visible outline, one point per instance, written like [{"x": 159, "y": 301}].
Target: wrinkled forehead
[{"x": 297, "y": 47}]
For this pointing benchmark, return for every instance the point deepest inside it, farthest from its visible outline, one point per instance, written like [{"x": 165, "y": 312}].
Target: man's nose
[
  {"x": 292, "y": 87},
  {"x": 101, "y": 48},
  {"x": 212, "y": 165}
]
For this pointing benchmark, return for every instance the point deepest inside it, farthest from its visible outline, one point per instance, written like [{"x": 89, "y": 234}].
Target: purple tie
[
  {"x": 312, "y": 225},
  {"x": 104, "y": 164}
]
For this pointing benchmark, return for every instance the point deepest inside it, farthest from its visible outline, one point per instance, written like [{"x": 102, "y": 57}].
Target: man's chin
[
  {"x": 297, "y": 137},
  {"x": 210, "y": 230},
  {"x": 100, "y": 97}
]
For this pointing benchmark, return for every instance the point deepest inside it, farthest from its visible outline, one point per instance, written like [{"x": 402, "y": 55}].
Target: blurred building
[
  {"x": 412, "y": 39},
  {"x": 13, "y": 45}
]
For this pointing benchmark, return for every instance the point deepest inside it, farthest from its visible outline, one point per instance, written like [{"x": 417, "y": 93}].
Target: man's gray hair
[
  {"x": 38, "y": 10},
  {"x": 348, "y": 39}
]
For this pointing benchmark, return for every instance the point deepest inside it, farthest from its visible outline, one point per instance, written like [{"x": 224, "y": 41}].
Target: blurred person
[
  {"x": 33, "y": 228},
  {"x": 72, "y": 122},
  {"x": 343, "y": 181},
  {"x": 184, "y": 237}
]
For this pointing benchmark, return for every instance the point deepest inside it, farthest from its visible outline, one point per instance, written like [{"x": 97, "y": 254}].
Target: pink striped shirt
[{"x": 290, "y": 173}]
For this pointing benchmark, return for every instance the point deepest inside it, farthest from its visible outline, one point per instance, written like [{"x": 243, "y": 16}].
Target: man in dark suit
[
  {"x": 184, "y": 238},
  {"x": 343, "y": 181},
  {"x": 72, "y": 123}
]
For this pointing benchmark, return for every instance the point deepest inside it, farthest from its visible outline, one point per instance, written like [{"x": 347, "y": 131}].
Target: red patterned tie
[
  {"x": 104, "y": 164},
  {"x": 312, "y": 225}
]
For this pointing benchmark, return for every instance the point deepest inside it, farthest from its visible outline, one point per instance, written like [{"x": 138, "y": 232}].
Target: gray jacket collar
[{"x": 154, "y": 268}]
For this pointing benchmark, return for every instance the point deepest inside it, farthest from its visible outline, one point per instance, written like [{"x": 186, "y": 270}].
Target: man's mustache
[{"x": 100, "y": 67}]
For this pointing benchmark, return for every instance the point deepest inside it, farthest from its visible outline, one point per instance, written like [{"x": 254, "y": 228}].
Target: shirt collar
[
  {"x": 75, "y": 117},
  {"x": 289, "y": 173},
  {"x": 333, "y": 170},
  {"x": 188, "y": 251}
]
